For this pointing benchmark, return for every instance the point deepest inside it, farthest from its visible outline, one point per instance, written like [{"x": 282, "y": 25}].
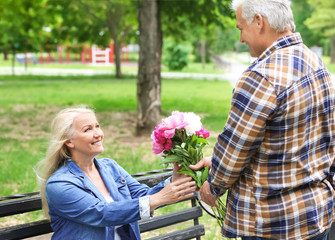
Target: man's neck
[{"x": 277, "y": 36}]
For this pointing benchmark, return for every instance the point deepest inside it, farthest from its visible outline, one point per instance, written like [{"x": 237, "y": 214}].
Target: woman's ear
[{"x": 69, "y": 143}]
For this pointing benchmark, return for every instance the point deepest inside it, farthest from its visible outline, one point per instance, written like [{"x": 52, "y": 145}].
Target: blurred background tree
[
  {"x": 96, "y": 22},
  {"x": 322, "y": 22},
  {"x": 22, "y": 26}
]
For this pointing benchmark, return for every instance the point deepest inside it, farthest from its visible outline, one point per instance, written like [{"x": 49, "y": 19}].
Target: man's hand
[
  {"x": 207, "y": 196},
  {"x": 205, "y": 192},
  {"x": 204, "y": 162}
]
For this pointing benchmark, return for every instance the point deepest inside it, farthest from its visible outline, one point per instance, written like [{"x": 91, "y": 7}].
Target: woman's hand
[
  {"x": 176, "y": 175},
  {"x": 174, "y": 192}
]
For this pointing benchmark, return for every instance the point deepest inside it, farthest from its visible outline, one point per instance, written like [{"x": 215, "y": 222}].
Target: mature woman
[{"x": 90, "y": 198}]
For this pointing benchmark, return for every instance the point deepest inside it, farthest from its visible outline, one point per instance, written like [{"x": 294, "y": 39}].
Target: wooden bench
[{"x": 23, "y": 203}]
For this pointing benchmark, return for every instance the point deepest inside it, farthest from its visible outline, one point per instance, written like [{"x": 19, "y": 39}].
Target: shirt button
[{"x": 123, "y": 181}]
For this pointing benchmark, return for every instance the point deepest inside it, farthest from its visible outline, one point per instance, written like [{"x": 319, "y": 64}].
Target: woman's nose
[{"x": 98, "y": 132}]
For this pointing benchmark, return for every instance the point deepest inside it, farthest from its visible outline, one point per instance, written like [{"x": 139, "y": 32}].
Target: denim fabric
[{"x": 79, "y": 211}]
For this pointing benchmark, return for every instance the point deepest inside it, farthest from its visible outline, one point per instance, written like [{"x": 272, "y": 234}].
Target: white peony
[{"x": 194, "y": 123}]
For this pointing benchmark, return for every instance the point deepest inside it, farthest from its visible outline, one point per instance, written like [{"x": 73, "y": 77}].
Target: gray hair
[{"x": 277, "y": 12}]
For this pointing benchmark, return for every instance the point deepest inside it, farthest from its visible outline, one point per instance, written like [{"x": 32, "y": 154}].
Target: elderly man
[{"x": 276, "y": 153}]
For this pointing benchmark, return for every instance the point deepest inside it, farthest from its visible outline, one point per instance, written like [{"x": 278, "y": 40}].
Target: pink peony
[
  {"x": 157, "y": 148},
  {"x": 163, "y": 133},
  {"x": 168, "y": 144},
  {"x": 202, "y": 132},
  {"x": 175, "y": 121}
]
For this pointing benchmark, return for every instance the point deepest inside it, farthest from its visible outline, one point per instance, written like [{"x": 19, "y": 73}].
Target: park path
[
  {"x": 232, "y": 71},
  {"x": 232, "y": 67}
]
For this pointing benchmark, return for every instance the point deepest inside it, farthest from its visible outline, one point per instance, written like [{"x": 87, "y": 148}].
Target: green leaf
[
  {"x": 172, "y": 159},
  {"x": 181, "y": 151},
  {"x": 204, "y": 176},
  {"x": 189, "y": 173},
  {"x": 199, "y": 174},
  {"x": 202, "y": 140}
]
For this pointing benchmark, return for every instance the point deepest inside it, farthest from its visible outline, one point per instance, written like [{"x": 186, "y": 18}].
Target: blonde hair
[{"x": 57, "y": 153}]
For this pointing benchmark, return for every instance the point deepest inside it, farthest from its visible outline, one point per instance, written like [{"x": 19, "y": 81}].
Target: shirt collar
[
  {"x": 288, "y": 40},
  {"x": 74, "y": 168}
]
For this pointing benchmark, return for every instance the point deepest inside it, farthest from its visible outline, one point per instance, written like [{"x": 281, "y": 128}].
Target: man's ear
[
  {"x": 259, "y": 20},
  {"x": 69, "y": 143}
]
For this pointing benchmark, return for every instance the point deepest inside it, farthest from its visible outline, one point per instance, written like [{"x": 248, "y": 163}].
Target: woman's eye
[
  {"x": 97, "y": 126},
  {"x": 87, "y": 129}
]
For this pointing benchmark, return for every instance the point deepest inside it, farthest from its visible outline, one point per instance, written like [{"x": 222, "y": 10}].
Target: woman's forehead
[{"x": 85, "y": 118}]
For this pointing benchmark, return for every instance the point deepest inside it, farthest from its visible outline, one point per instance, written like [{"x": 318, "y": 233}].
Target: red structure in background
[{"x": 93, "y": 55}]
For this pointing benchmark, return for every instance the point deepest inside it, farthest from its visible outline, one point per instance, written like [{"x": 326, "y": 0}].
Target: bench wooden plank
[
  {"x": 43, "y": 227},
  {"x": 169, "y": 219},
  {"x": 26, "y": 230},
  {"x": 188, "y": 233},
  {"x": 153, "y": 180},
  {"x": 18, "y": 206}
]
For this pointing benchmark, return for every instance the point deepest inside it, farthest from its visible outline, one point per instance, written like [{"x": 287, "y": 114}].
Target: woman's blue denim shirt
[{"x": 79, "y": 211}]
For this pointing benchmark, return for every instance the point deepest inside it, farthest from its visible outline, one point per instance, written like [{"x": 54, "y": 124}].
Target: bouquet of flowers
[{"x": 180, "y": 138}]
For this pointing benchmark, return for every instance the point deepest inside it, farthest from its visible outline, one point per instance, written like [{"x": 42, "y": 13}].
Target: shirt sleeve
[
  {"x": 145, "y": 207},
  {"x": 254, "y": 100},
  {"x": 167, "y": 181}
]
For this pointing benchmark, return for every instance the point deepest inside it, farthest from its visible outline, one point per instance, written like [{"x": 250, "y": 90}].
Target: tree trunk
[
  {"x": 26, "y": 61},
  {"x": 203, "y": 53},
  {"x": 117, "y": 56},
  {"x": 148, "y": 79},
  {"x": 13, "y": 60},
  {"x": 332, "y": 49},
  {"x": 5, "y": 55}
]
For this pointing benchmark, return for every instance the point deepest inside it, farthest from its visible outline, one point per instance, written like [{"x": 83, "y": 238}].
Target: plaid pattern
[{"x": 276, "y": 152}]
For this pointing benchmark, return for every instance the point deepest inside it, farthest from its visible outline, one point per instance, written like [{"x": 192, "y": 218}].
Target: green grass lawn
[{"x": 28, "y": 104}]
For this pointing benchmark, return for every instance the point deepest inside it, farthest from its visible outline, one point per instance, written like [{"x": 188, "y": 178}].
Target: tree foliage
[
  {"x": 302, "y": 10},
  {"x": 96, "y": 22},
  {"x": 323, "y": 18},
  {"x": 323, "y": 21},
  {"x": 198, "y": 22},
  {"x": 21, "y": 24}
]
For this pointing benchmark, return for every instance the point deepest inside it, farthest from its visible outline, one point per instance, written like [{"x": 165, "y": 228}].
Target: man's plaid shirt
[{"x": 276, "y": 152}]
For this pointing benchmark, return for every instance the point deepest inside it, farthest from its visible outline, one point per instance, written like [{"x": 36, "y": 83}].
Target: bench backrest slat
[
  {"x": 188, "y": 233},
  {"x": 18, "y": 206},
  {"x": 170, "y": 218},
  {"x": 153, "y": 180},
  {"x": 26, "y": 230}
]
